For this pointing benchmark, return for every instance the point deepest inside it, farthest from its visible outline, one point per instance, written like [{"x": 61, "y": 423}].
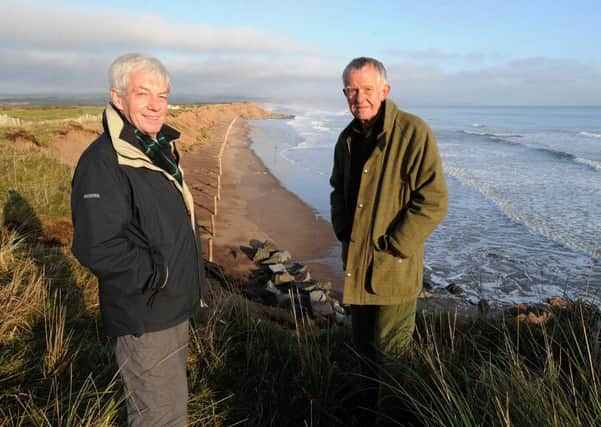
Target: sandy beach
[{"x": 253, "y": 206}]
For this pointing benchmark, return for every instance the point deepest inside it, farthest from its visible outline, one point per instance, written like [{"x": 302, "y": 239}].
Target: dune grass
[
  {"x": 32, "y": 185},
  {"x": 245, "y": 368}
]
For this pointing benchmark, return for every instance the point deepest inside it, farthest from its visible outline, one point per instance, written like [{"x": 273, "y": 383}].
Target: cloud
[
  {"x": 60, "y": 26},
  {"x": 62, "y": 50},
  {"x": 527, "y": 81},
  {"x": 436, "y": 55}
]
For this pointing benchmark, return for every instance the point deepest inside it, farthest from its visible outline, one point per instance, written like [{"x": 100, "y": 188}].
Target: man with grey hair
[
  {"x": 389, "y": 194},
  {"x": 134, "y": 227}
]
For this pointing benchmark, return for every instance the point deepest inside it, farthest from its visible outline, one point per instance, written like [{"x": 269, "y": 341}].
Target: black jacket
[{"x": 134, "y": 227}]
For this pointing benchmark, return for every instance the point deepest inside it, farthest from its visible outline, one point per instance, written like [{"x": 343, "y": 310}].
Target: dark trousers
[
  {"x": 381, "y": 333},
  {"x": 153, "y": 369}
]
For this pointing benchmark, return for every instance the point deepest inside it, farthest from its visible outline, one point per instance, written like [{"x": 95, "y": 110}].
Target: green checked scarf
[{"x": 160, "y": 153}]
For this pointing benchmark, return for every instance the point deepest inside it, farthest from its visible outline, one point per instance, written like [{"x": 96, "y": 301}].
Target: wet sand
[{"x": 253, "y": 206}]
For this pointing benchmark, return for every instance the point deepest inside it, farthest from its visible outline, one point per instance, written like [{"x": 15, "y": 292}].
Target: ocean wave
[
  {"x": 523, "y": 141},
  {"x": 530, "y": 221},
  {"x": 492, "y": 134},
  {"x": 284, "y": 155},
  {"x": 595, "y": 164},
  {"x": 321, "y": 126},
  {"x": 590, "y": 134},
  {"x": 312, "y": 144}
]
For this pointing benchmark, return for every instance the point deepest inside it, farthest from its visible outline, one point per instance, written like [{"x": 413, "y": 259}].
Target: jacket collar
[
  {"x": 390, "y": 112},
  {"x": 376, "y": 128},
  {"x": 122, "y": 134},
  {"x": 130, "y": 154}
]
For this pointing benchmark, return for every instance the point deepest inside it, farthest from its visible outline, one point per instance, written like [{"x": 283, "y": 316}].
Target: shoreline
[{"x": 254, "y": 206}]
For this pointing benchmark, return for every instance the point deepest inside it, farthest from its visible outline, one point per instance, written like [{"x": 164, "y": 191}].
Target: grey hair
[
  {"x": 362, "y": 61},
  {"x": 123, "y": 66}
]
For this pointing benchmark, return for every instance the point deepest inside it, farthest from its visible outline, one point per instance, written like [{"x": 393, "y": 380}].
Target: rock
[
  {"x": 427, "y": 285},
  {"x": 338, "y": 308},
  {"x": 317, "y": 296},
  {"x": 516, "y": 309},
  {"x": 277, "y": 268},
  {"x": 424, "y": 294},
  {"x": 283, "y": 278},
  {"x": 261, "y": 254},
  {"x": 326, "y": 286},
  {"x": 307, "y": 286},
  {"x": 278, "y": 257},
  {"x": 303, "y": 276},
  {"x": 540, "y": 318},
  {"x": 268, "y": 244},
  {"x": 296, "y": 268},
  {"x": 455, "y": 289},
  {"x": 557, "y": 302},
  {"x": 270, "y": 287},
  {"x": 323, "y": 309},
  {"x": 534, "y": 318}
]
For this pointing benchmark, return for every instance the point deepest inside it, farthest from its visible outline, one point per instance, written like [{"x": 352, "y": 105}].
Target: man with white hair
[{"x": 134, "y": 227}]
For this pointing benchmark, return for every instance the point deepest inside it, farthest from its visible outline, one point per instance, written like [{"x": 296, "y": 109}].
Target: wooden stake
[
  {"x": 218, "y": 187},
  {"x": 210, "y": 241},
  {"x": 215, "y": 205},
  {"x": 213, "y": 225}
]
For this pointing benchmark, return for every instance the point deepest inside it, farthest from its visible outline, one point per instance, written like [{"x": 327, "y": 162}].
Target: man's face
[
  {"x": 145, "y": 103},
  {"x": 365, "y": 92}
]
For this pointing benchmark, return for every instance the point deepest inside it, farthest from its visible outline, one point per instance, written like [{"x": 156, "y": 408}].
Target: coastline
[{"x": 254, "y": 206}]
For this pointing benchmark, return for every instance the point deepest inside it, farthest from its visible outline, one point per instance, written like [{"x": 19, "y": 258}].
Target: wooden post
[
  {"x": 218, "y": 187},
  {"x": 210, "y": 242},
  {"x": 213, "y": 224},
  {"x": 215, "y": 205}
]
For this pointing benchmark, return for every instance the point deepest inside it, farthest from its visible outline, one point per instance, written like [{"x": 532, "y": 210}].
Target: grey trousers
[{"x": 153, "y": 370}]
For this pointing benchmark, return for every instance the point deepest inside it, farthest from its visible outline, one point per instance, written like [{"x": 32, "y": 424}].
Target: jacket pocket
[
  {"x": 396, "y": 277},
  {"x": 157, "y": 276}
]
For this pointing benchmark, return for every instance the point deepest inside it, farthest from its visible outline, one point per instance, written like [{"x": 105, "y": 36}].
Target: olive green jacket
[{"x": 402, "y": 198}]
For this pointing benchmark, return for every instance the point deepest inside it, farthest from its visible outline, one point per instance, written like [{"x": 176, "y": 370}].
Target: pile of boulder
[{"x": 281, "y": 282}]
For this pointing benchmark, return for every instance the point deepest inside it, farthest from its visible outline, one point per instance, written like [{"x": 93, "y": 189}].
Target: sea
[{"x": 524, "y": 221}]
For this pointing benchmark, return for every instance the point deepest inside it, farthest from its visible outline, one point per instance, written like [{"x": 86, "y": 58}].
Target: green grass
[
  {"x": 32, "y": 185},
  {"x": 245, "y": 368},
  {"x": 36, "y": 113}
]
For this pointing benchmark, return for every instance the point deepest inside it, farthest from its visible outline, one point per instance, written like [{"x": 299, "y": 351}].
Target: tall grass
[
  {"x": 59, "y": 353},
  {"x": 504, "y": 372},
  {"x": 32, "y": 184}
]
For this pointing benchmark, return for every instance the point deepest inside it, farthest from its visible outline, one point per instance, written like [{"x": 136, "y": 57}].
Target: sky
[{"x": 436, "y": 53}]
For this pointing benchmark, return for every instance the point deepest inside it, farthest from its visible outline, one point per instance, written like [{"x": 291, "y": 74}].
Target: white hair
[{"x": 123, "y": 66}]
